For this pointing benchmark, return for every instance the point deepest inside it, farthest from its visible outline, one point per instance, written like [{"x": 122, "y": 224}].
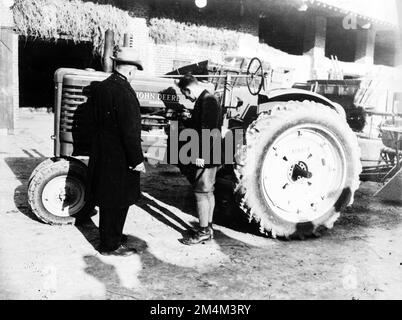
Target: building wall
[
  {"x": 234, "y": 17},
  {"x": 170, "y": 57},
  {"x": 227, "y": 14},
  {"x": 139, "y": 33},
  {"x": 162, "y": 58}
]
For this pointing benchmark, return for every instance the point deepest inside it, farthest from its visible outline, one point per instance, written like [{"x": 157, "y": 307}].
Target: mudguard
[{"x": 290, "y": 94}]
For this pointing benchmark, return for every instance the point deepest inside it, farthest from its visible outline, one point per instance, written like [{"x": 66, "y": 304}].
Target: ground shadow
[
  {"x": 22, "y": 168},
  {"x": 158, "y": 279},
  {"x": 177, "y": 192},
  {"x": 151, "y": 207},
  {"x": 90, "y": 232},
  {"x": 107, "y": 273}
]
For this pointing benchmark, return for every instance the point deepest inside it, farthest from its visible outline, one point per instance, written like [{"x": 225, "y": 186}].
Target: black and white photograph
[{"x": 217, "y": 152}]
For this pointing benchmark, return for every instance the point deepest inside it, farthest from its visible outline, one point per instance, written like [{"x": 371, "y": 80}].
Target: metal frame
[{"x": 380, "y": 173}]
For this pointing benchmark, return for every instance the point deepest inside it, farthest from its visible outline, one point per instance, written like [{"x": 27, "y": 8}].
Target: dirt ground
[{"x": 361, "y": 258}]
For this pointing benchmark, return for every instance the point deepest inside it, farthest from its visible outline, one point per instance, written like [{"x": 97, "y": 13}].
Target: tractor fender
[{"x": 284, "y": 95}]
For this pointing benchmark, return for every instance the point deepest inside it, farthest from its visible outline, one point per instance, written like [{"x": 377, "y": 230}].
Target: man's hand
[
  {"x": 139, "y": 168},
  {"x": 186, "y": 114},
  {"x": 200, "y": 163}
]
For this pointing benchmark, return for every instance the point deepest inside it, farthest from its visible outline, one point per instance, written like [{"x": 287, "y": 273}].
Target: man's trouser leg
[{"x": 111, "y": 223}]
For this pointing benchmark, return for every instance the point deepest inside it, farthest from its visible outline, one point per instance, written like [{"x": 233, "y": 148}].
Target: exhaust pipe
[
  {"x": 108, "y": 51},
  {"x": 128, "y": 40}
]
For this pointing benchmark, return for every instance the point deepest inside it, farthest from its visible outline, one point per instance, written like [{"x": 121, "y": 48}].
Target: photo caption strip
[{"x": 189, "y": 309}]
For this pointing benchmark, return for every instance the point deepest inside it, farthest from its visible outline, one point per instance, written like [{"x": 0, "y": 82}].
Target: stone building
[
  {"x": 356, "y": 31},
  {"x": 297, "y": 35}
]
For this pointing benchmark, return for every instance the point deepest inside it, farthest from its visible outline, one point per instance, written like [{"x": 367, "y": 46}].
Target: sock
[{"x": 204, "y": 229}]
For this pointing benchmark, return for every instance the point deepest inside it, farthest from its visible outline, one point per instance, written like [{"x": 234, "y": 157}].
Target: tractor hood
[{"x": 152, "y": 91}]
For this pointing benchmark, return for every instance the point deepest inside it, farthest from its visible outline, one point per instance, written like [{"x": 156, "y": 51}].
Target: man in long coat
[{"x": 116, "y": 158}]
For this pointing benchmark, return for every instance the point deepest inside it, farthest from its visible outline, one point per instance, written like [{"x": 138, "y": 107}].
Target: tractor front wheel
[{"x": 56, "y": 192}]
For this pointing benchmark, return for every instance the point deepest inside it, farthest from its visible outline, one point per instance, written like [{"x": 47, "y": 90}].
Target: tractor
[{"x": 296, "y": 169}]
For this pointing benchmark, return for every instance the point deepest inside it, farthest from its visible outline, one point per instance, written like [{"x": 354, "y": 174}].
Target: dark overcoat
[{"x": 116, "y": 143}]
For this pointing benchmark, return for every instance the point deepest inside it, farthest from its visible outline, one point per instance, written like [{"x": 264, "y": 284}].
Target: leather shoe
[{"x": 121, "y": 251}]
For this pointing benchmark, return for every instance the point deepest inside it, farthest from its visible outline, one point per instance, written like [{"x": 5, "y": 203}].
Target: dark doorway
[
  {"x": 283, "y": 31},
  {"x": 39, "y": 59},
  {"x": 340, "y": 42}
]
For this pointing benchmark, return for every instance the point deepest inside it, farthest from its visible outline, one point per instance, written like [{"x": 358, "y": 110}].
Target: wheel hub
[
  {"x": 63, "y": 196},
  {"x": 299, "y": 171}
]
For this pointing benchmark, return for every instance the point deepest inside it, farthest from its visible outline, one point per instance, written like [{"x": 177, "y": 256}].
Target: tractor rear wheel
[
  {"x": 299, "y": 168},
  {"x": 56, "y": 192}
]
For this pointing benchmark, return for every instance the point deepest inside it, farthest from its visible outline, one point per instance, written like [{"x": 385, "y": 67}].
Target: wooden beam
[{"x": 6, "y": 80}]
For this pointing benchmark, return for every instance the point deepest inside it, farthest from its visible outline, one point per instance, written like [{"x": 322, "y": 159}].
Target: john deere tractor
[{"x": 296, "y": 170}]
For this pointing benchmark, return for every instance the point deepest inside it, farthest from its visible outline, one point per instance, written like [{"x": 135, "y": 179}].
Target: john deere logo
[{"x": 146, "y": 95}]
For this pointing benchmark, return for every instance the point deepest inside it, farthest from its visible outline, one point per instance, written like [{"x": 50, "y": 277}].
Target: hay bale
[
  {"x": 167, "y": 31},
  {"x": 80, "y": 21}
]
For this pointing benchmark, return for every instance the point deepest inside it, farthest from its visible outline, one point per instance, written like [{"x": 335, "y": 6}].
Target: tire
[
  {"x": 56, "y": 192},
  {"x": 39, "y": 167},
  {"x": 299, "y": 169}
]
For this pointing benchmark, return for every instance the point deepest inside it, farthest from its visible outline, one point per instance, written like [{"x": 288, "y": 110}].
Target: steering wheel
[{"x": 255, "y": 76}]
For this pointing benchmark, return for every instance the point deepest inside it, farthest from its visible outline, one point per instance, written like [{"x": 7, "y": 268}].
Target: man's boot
[
  {"x": 201, "y": 235},
  {"x": 211, "y": 230},
  {"x": 194, "y": 230}
]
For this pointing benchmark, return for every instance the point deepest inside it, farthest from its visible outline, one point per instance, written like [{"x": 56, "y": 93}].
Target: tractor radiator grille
[
  {"x": 74, "y": 124},
  {"x": 72, "y": 97}
]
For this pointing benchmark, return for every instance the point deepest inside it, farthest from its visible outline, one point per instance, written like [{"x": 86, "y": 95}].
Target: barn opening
[
  {"x": 38, "y": 61},
  {"x": 340, "y": 42},
  {"x": 283, "y": 34}
]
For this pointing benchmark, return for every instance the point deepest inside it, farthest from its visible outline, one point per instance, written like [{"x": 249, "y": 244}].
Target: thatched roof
[{"x": 74, "y": 19}]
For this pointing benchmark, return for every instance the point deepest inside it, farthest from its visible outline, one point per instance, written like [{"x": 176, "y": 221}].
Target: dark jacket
[
  {"x": 116, "y": 144},
  {"x": 207, "y": 114}
]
